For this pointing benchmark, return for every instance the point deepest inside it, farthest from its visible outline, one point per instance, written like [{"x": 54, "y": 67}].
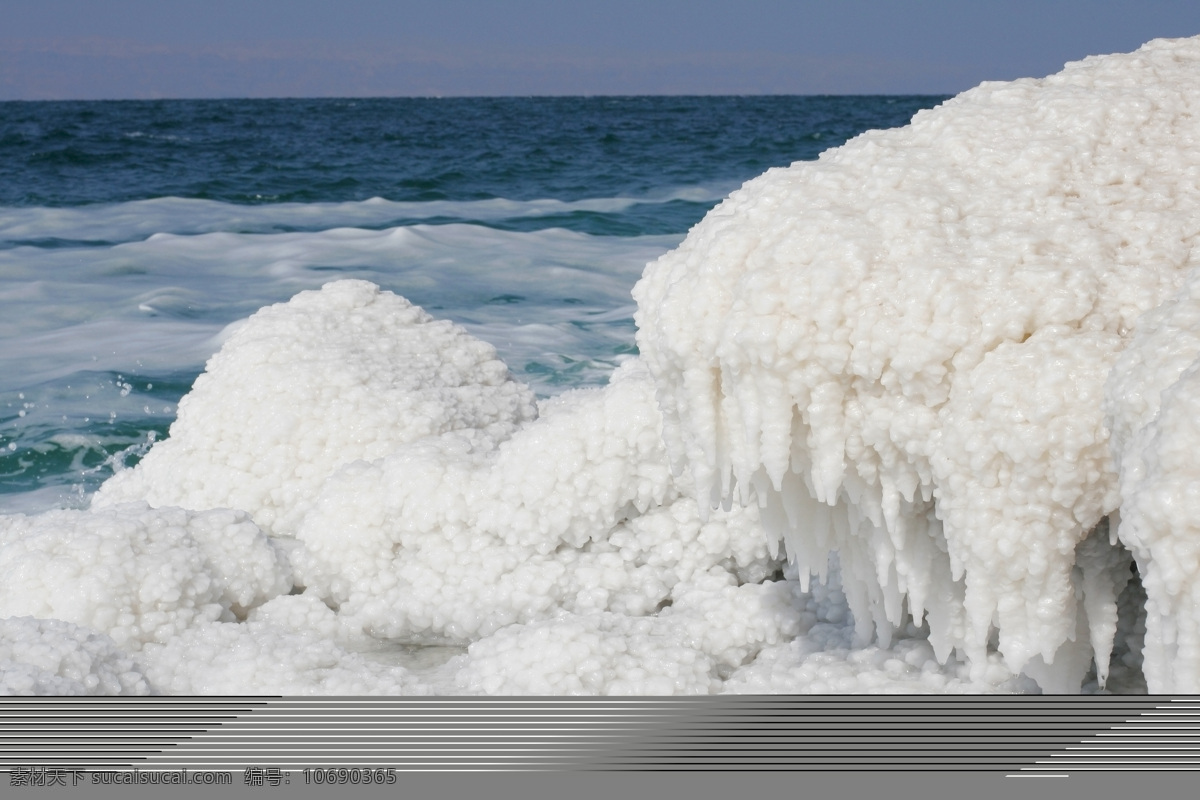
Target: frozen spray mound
[
  {"x": 328, "y": 378},
  {"x": 445, "y": 531},
  {"x": 900, "y": 352}
]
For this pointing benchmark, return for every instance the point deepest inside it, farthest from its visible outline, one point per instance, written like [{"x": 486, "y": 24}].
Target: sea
[{"x": 132, "y": 233}]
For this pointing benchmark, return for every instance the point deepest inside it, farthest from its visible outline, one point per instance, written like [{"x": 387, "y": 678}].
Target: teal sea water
[{"x": 133, "y": 233}]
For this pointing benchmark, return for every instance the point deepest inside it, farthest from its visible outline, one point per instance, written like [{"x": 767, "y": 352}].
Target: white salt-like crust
[
  {"x": 606, "y": 654},
  {"x": 303, "y": 387},
  {"x": 825, "y": 659},
  {"x": 258, "y": 657},
  {"x": 52, "y": 657},
  {"x": 1153, "y": 399},
  {"x": 713, "y": 627},
  {"x": 900, "y": 350},
  {"x": 452, "y": 538},
  {"x": 137, "y": 574}
]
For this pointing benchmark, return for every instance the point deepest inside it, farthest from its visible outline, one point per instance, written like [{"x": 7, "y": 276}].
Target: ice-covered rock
[{"x": 900, "y": 350}]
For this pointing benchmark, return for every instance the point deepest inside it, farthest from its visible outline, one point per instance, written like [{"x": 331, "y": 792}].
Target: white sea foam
[
  {"x": 903, "y": 361},
  {"x": 131, "y": 221},
  {"x": 160, "y": 302}
]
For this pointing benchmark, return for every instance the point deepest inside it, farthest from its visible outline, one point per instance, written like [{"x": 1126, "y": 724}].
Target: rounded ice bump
[{"x": 301, "y": 388}]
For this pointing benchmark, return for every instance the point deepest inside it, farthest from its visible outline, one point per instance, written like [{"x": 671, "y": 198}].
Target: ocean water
[{"x": 133, "y": 233}]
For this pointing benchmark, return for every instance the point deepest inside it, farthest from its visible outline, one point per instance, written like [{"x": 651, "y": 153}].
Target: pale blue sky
[{"x": 264, "y": 48}]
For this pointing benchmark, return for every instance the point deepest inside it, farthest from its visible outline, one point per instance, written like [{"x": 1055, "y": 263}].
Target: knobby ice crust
[
  {"x": 900, "y": 352},
  {"x": 402, "y": 479}
]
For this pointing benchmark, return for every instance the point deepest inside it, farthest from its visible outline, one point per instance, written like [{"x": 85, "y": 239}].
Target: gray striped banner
[{"x": 1030, "y": 736}]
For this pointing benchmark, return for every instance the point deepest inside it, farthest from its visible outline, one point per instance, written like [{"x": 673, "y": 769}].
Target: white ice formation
[
  {"x": 900, "y": 353},
  {"x": 137, "y": 574},
  {"x": 52, "y": 657},
  {"x": 952, "y": 367},
  {"x": 303, "y": 388},
  {"x": 1153, "y": 403}
]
